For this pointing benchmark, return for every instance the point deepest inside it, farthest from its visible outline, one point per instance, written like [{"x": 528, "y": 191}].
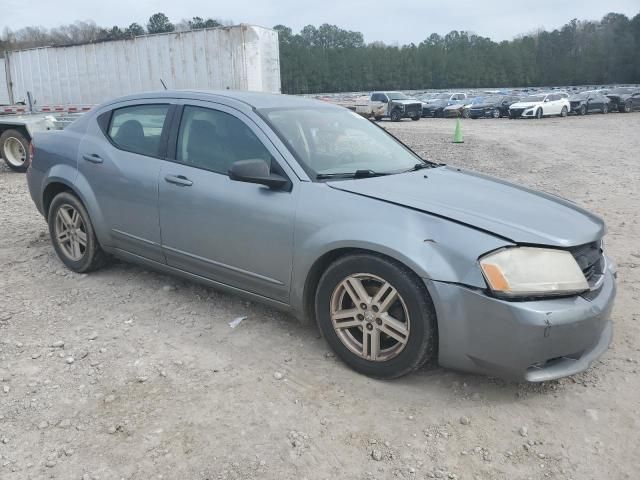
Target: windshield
[
  {"x": 478, "y": 100},
  {"x": 396, "y": 96},
  {"x": 338, "y": 141},
  {"x": 442, "y": 96},
  {"x": 534, "y": 98}
]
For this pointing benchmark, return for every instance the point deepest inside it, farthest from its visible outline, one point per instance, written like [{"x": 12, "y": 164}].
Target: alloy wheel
[
  {"x": 71, "y": 232},
  {"x": 370, "y": 317}
]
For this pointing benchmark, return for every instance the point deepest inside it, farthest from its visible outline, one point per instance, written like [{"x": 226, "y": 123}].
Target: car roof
[{"x": 257, "y": 100}]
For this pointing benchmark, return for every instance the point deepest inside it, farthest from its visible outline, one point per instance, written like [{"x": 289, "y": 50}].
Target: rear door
[
  {"x": 120, "y": 159},
  {"x": 239, "y": 234}
]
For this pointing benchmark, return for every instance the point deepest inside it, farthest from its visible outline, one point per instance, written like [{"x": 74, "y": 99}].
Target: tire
[
  {"x": 86, "y": 258},
  {"x": 465, "y": 113},
  {"x": 605, "y": 108},
  {"x": 416, "y": 118},
  {"x": 439, "y": 113},
  {"x": 411, "y": 311},
  {"x": 396, "y": 116},
  {"x": 14, "y": 148},
  {"x": 583, "y": 110},
  {"x": 626, "y": 108},
  {"x": 378, "y": 118},
  {"x": 564, "y": 112},
  {"x": 496, "y": 113},
  {"x": 539, "y": 113}
]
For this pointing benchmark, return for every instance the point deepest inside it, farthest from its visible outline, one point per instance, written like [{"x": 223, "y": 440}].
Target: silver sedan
[{"x": 310, "y": 208}]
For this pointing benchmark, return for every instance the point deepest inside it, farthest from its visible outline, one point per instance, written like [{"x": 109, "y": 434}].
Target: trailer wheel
[{"x": 14, "y": 148}]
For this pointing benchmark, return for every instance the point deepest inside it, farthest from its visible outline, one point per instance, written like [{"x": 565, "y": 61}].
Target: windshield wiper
[
  {"x": 420, "y": 166},
  {"x": 356, "y": 174}
]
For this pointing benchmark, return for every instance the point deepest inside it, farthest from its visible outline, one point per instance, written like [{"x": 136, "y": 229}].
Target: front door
[
  {"x": 120, "y": 159},
  {"x": 239, "y": 234}
]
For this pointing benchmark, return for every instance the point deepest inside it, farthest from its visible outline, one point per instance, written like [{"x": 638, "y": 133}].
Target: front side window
[
  {"x": 397, "y": 96},
  {"x": 334, "y": 141},
  {"x": 138, "y": 128},
  {"x": 214, "y": 140}
]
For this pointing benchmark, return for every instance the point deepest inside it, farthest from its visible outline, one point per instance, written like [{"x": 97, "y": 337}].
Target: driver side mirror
[
  {"x": 257, "y": 171},
  {"x": 546, "y": 100}
]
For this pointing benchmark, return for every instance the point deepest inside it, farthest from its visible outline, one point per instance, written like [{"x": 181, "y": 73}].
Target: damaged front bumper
[{"x": 534, "y": 341}]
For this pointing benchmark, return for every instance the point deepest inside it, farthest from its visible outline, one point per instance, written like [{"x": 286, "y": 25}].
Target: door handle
[
  {"x": 93, "y": 158},
  {"x": 178, "y": 180}
]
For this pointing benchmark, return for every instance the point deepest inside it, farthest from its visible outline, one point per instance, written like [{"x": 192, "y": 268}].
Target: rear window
[{"x": 138, "y": 128}]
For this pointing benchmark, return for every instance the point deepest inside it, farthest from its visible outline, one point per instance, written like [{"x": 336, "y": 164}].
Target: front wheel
[
  {"x": 376, "y": 315},
  {"x": 72, "y": 234},
  {"x": 564, "y": 112},
  {"x": 626, "y": 108},
  {"x": 396, "y": 116},
  {"x": 539, "y": 113},
  {"x": 583, "y": 110},
  {"x": 415, "y": 118},
  {"x": 496, "y": 113},
  {"x": 378, "y": 118},
  {"x": 605, "y": 108},
  {"x": 14, "y": 148}
]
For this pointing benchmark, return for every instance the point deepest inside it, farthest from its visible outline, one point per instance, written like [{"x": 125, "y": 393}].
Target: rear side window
[
  {"x": 138, "y": 129},
  {"x": 213, "y": 140}
]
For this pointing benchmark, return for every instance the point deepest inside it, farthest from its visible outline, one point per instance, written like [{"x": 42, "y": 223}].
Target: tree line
[{"x": 331, "y": 59}]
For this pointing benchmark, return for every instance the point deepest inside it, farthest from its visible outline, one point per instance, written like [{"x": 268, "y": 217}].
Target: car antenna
[{"x": 162, "y": 82}]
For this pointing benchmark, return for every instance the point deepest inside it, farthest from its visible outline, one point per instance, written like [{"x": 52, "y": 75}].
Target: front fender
[{"x": 433, "y": 247}]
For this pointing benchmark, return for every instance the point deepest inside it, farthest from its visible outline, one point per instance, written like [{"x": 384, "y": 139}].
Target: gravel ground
[{"x": 129, "y": 374}]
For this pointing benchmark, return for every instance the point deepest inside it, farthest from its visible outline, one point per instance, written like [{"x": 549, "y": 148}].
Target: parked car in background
[
  {"x": 541, "y": 105},
  {"x": 434, "y": 106},
  {"x": 311, "y": 208},
  {"x": 494, "y": 106},
  {"x": 460, "y": 109},
  {"x": 624, "y": 99},
  {"x": 589, "y": 102},
  {"x": 395, "y": 106}
]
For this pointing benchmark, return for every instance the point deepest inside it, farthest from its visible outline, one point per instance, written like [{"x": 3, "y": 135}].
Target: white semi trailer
[{"x": 43, "y": 88}]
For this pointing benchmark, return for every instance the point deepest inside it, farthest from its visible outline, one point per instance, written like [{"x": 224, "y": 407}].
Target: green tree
[{"x": 159, "y": 23}]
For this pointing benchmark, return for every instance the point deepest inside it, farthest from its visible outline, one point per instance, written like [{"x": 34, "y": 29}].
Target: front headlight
[{"x": 529, "y": 271}]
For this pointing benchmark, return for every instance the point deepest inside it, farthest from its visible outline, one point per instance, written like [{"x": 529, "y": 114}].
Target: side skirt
[{"x": 132, "y": 258}]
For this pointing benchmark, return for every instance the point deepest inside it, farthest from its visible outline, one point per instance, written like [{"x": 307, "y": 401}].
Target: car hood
[
  {"x": 618, "y": 96},
  {"x": 510, "y": 211},
  {"x": 436, "y": 103},
  {"x": 407, "y": 101},
  {"x": 484, "y": 105},
  {"x": 525, "y": 104}
]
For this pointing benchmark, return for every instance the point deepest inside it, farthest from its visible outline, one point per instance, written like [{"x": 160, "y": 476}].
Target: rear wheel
[
  {"x": 72, "y": 234},
  {"x": 396, "y": 116},
  {"x": 605, "y": 108},
  {"x": 377, "y": 315},
  {"x": 415, "y": 118},
  {"x": 626, "y": 108},
  {"x": 496, "y": 113},
  {"x": 14, "y": 148},
  {"x": 564, "y": 112},
  {"x": 378, "y": 118}
]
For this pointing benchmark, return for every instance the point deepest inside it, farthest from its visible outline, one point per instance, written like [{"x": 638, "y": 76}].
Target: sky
[{"x": 397, "y": 21}]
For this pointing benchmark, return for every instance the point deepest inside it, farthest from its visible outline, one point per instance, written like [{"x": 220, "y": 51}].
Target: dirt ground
[{"x": 129, "y": 374}]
